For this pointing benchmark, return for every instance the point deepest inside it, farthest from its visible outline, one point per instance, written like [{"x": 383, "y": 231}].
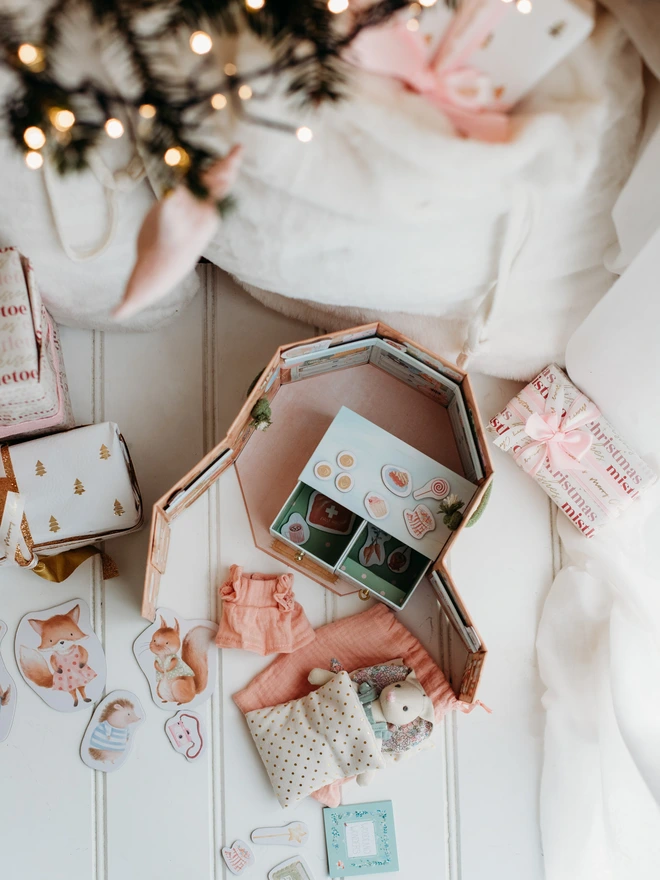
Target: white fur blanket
[{"x": 495, "y": 250}]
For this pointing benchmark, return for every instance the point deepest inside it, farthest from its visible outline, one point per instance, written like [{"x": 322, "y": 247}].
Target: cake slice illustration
[
  {"x": 376, "y": 505},
  {"x": 419, "y": 521}
]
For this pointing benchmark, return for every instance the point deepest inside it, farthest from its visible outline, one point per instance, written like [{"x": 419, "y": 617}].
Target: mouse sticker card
[
  {"x": 60, "y": 657},
  {"x": 110, "y": 734},
  {"x": 7, "y": 693},
  {"x": 179, "y": 659}
]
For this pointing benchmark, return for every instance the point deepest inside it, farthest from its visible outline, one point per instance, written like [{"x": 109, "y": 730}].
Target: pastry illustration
[
  {"x": 436, "y": 488},
  {"x": 296, "y": 529},
  {"x": 373, "y": 549},
  {"x": 323, "y": 470},
  {"x": 376, "y": 505},
  {"x": 344, "y": 482},
  {"x": 346, "y": 460},
  {"x": 398, "y": 480},
  {"x": 328, "y": 516},
  {"x": 419, "y": 521},
  {"x": 399, "y": 559}
]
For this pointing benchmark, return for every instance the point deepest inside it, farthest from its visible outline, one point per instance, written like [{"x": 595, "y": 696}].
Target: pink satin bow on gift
[
  {"x": 173, "y": 235},
  {"x": 464, "y": 94},
  {"x": 558, "y": 438}
]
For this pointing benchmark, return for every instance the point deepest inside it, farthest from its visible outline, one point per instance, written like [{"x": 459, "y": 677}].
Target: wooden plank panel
[
  {"x": 49, "y": 794},
  {"x": 503, "y": 568}
]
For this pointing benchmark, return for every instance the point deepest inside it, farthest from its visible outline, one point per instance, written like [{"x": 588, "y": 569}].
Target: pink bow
[
  {"x": 555, "y": 437},
  {"x": 173, "y": 235},
  {"x": 465, "y": 95},
  {"x": 284, "y": 595}
]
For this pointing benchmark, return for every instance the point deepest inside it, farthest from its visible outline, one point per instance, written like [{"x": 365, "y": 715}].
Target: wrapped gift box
[
  {"x": 558, "y": 436},
  {"x": 75, "y": 487},
  {"x": 34, "y": 397}
]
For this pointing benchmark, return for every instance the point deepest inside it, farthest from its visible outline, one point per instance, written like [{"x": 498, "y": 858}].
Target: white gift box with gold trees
[{"x": 73, "y": 487}]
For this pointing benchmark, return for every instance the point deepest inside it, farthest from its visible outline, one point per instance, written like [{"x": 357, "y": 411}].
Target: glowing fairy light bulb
[
  {"x": 218, "y": 101},
  {"x": 337, "y": 6},
  {"x": 29, "y": 54},
  {"x": 114, "y": 128},
  {"x": 524, "y": 6},
  {"x": 200, "y": 43},
  {"x": 34, "y": 160},
  {"x": 62, "y": 120},
  {"x": 34, "y": 137},
  {"x": 245, "y": 92},
  {"x": 147, "y": 111},
  {"x": 230, "y": 69},
  {"x": 428, "y": 3},
  {"x": 304, "y": 134},
  {"x": 412, "y": 24},
  {"x": 255, "y": 4},
  {"x": 175, "y": 156}
]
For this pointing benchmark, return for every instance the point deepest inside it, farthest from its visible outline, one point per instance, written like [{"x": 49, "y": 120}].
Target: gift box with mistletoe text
[{"x": 560, "y": 437}]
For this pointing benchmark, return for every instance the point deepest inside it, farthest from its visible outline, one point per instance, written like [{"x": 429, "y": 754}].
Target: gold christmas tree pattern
[
  {"x": 54, "y": 526},
  {"x": 39, "y": 469},
  {"x": 104, "y": 452},
  {"x": 78, "y": 487},
  {"x": 119, "y": 510}
]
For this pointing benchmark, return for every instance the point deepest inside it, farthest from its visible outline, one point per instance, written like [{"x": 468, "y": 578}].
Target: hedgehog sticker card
[
  {"x": 179, "y": 659},
  {"x": 60, "y": 656},
  {"x": 7, "y": 693},
  {"x": 110, "y": 734}
]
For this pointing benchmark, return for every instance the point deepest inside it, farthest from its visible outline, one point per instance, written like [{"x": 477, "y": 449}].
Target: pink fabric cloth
[
  {"x": 361, "y": 640},
  {"x": 260, "y": 614}
]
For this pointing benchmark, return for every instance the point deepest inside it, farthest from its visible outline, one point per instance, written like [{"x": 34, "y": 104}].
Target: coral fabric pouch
[{"x": 311, "y": 742}]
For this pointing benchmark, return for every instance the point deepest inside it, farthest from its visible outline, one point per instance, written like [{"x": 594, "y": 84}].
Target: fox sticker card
[
  {"x": 60, "y": 657},
  {"x": 179, "y": 659},
  {"x": 7, "y": 693},
  {"x": 110, "y": 733}
]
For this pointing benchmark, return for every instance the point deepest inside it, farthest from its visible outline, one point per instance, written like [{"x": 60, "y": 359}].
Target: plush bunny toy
[{"x": 398, "y": 706}]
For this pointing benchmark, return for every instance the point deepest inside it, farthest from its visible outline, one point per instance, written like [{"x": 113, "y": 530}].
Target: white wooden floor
[{"x": 466, "y": 811}]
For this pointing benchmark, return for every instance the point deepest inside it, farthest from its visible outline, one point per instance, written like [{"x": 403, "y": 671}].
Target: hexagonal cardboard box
[{"x": 360, "y": 457}]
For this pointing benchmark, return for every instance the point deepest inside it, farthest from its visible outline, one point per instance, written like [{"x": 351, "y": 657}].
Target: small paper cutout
[
  {"x": 294, "y": 834},
  {"x": 376, "y": 505},
  {"x": 8, "y": 695},
  {"x": 178, "y": 657},
  {"x": 419, "y": 521},
  {"x": 104, "y": 452},
  {"x": 398, "y": 480},
  {"x": 53, "y": 525},
  {"x": 186, "y": 734},
  {"x": 296, "y": 529},
  {"x": 293, "y": 869},
  {"x": 399, "y": 559},
  {"x": 39, "y": 469},
  {"x": 118, "y": 509},
  {"x": 373, "y": 549},
  {"x": 78, "y": 487},
  {"x": 328, "y": 516},
  {"x": 344, "y": 482},
  {"x": 238, "y": 856},
  {"x": 60, "y": 656},
  {"x": 323, "y": 470},
  {"x": 436, "y": 488},
  {"x": 346, "y": 460},
  {"x": 110, "y": 734}
]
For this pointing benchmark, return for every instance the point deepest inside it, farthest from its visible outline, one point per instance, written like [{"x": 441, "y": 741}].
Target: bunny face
[{"x": 404, "y": 701}]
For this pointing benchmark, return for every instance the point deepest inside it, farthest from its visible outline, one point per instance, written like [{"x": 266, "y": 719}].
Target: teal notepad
[{"x": 360, "y": 839}]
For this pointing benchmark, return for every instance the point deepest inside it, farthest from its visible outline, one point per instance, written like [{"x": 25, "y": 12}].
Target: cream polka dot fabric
[{"x": 311, "y": 742}]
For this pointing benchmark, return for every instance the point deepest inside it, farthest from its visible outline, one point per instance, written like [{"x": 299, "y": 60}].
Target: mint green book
[{"x": 360, "y": 839}]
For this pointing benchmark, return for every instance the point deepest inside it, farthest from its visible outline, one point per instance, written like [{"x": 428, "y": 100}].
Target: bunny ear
[
  {"x": 428, "y": 710},
  {"x": 412, "y": 678}
]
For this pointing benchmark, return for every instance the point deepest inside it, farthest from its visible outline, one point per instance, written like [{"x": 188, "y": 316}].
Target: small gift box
[
  {"x": 34, "y": 397},
  {"x": 66, "y": 490},
  {"x": 558, "y": 436}
]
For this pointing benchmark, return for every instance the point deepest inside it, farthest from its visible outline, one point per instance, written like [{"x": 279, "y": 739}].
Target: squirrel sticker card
[
  {"x": 60, "y": 657},
  {"x": 7, "y": 693},
  {"x": 179, "y": 659},
  {"x": 110, "y": 733}
]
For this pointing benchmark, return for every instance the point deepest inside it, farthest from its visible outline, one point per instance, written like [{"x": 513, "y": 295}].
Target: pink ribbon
[
  {"x": 557, "y": 436},
  {"x": 463, "y": 93}
]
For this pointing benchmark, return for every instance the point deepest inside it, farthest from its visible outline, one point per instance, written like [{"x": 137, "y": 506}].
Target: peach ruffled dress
[{"x": 260, "y": 614}]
